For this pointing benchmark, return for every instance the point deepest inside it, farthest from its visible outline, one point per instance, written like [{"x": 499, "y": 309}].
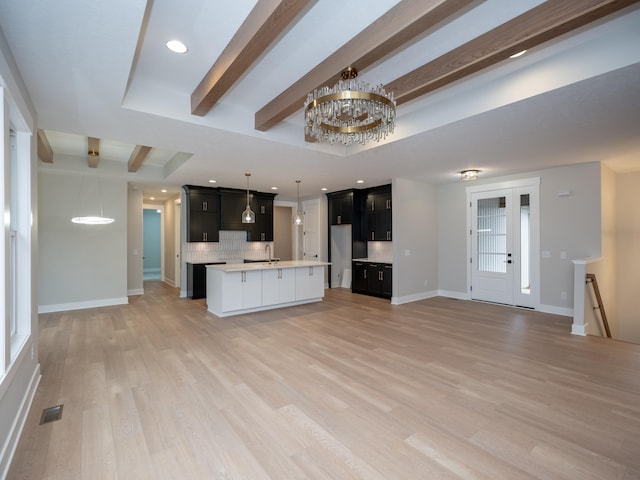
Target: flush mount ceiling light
[
  {"x": 248, "y": 216},
  {"x": 349, "y": 112},
  {"x": 471, "y": 174},
  {"x": 176, "y": 46},
  {"x": 297, "y": 219}
]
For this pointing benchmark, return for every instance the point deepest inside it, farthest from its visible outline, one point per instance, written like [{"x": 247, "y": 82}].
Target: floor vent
[{"x": 51, "y": 414}]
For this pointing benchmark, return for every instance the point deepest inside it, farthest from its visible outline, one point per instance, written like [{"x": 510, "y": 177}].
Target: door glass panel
[
  {"x": 492, "y": 235},
  {"x": 525, "y": 236}
]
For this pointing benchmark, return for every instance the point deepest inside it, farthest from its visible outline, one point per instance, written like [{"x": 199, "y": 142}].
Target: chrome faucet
[{"x": 267, "y": 252}]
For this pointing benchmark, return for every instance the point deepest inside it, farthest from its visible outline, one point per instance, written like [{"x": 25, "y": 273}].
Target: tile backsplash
[
  {"x": 380, "y": 251},
  {"x": 232, "y": 245}
]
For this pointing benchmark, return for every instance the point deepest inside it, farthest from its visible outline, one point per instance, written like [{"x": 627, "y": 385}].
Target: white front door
[
  {"x": 504, "y": 241},
  {"x": 492, "y": 240}
]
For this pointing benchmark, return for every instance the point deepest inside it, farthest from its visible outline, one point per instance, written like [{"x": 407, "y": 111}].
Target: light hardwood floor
[{"x": 350, "y": 388}]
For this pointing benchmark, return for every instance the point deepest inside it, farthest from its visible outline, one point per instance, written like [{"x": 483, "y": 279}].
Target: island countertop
[{"x": 243, "y": 267}]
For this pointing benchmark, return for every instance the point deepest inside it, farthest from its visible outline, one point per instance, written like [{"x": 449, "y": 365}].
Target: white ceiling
[{"x": 572, "y": 100}]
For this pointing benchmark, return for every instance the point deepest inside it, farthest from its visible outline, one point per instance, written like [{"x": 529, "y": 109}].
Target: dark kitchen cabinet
[
  {"x": 371, "y": 278},
  {"x": 346, "y": 207},
  {"x": 203, "y": 210},
  {"x": 341, "y": 207},
  {"x": 378, "y": 217},
  {"x": 262, "y": 205},
  {"x": 359, "y": 281},
  {"x": 197, "y": 279},
  {"x": 232, "y": 204}
]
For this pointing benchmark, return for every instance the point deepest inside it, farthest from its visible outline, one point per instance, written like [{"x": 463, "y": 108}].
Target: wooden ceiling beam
[
  {"x": 265, "y": 23},
  {"x": 534, "y": 27},
  {"x": 45, "y": 153},
  {"x": 93, "y": 151},
  {"x": 137, "y": 158},
  {"x": 405, "y": 22}
]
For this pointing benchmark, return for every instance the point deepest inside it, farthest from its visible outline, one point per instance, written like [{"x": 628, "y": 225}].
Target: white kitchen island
[{"x": 234, "y": 289}]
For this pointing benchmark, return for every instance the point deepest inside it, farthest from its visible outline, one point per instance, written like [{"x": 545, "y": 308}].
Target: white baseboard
[
  {"x": 135, "y": 291},
  {"x": 565, "y": 312},
  {"x": 413, "y": 298},
  {"x": 9, "y": 449},
  {"x": 168, "y": 281},
  {"x": 452, "y": 294},
  {"x": 63, "y": 307}
]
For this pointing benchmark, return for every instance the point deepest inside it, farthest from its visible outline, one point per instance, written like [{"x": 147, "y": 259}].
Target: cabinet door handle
[
  {"x": 339, "y": 219},
  {"x": 263, "y": 209},
  {"x": 205, "y": 206},
  {"x": 204, "y": 236},
  {"x": 380, "y": 275},
  {"x": 365, "y": 273},
  {"x": 373, "y": 235},
  {"x": 388, "y": 235}
]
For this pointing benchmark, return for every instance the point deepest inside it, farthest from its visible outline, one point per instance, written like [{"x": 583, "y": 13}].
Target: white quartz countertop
[
  {"x": 239, "y": 267},
  {"x": 373, "y": 260}
]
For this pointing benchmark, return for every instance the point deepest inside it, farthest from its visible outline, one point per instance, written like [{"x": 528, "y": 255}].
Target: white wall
[
  {"x": 628, "y": 222},
  {"x": 169, "y": 220},
  {"x": 20, "y": 379},
  {"x": 608, "y": 275},
  {"x": 80, "y": 265},
  {"x": 570, "y": 224},
  {"x": 415, "y": 240},
  {"x": 135, "y": 278}
]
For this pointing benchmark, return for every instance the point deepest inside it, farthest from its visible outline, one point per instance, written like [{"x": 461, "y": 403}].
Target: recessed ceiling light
[
  {"x": 164, "y": 190},
  {"x": 176, "y": 46},
  {"x": 152, "y": 198},
  {"x": 516, "y": 55},
  {"x": 359, "y": 181},
  {"x": 212, "y": 181},
  {"x": 324, "y": 189},
  {"x": 274, "y": 188}
]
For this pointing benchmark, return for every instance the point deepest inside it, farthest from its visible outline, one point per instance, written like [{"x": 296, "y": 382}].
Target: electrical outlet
[
  {"x": 407, "y": 253},
  {"x": 563, "y": 295}
]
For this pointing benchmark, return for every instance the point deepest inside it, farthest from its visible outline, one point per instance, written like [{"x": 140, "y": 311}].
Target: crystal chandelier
[{"x": 349, "y": 112}]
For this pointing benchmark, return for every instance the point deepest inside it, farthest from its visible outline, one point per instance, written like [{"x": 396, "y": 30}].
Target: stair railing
[{"x": 591, "y": 278}]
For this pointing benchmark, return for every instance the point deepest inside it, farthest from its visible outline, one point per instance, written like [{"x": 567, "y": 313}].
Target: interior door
[
  {"x": 505, "y": 246},
  {"x": 311, "y": 242}
]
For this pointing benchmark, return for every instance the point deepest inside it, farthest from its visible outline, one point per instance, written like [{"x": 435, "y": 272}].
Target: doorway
[
  {"x": 152, "y": 268},
  {"x": 504, "y": 259}
]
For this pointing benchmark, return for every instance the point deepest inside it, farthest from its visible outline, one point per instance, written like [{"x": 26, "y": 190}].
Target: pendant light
[
  {"x": 297, "y": 220},
  {"x": 248, "y": 216},
  {"x": 92, "y": 219}
]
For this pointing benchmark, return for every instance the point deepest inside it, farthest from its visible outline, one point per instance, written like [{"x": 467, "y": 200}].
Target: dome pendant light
[
  {"x": 248, "y": 216},
  {"x": 297, "y": 220}
]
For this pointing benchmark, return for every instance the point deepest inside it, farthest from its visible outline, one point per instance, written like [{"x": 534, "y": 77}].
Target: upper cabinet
[
  {"x": 234, "y": 201},
  {"x": 203, "y": 214},
  {"x": 232, "y": 204},
  {"x": 341, "y": 207},
  {"x": 262, "y": 205},
  {"x": 378, "y": 219}
]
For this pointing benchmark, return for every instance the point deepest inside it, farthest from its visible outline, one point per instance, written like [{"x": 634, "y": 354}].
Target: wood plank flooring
[{"x": 350, "y": 388}]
